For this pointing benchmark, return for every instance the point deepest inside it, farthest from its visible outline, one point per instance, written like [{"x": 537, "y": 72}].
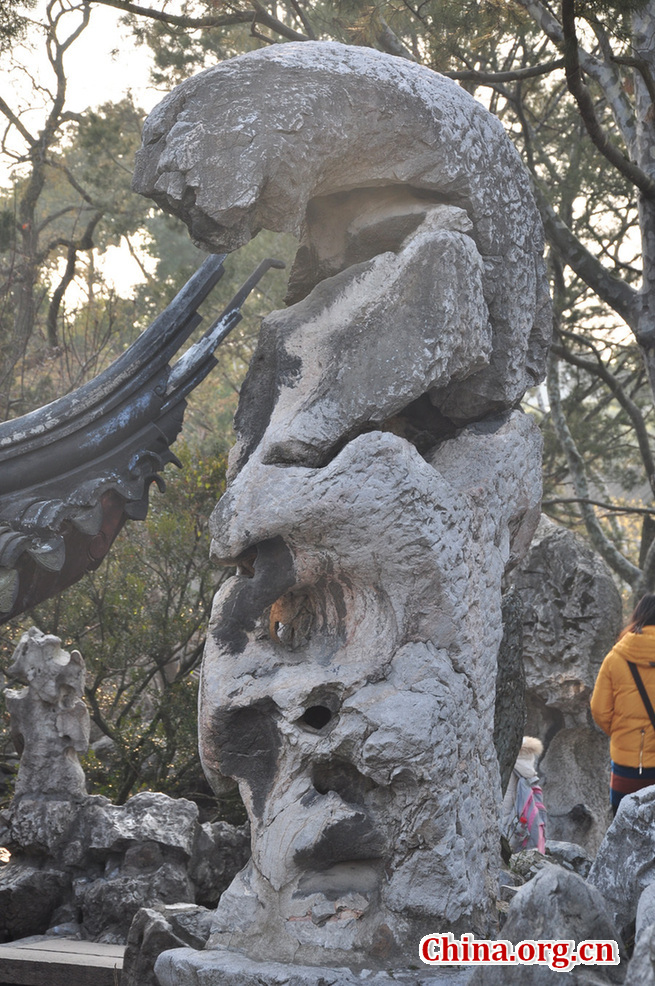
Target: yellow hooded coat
[{"x": 616, "y": 704}]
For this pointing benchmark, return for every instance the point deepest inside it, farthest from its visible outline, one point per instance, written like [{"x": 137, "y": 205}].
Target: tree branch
[
  {"x": 616, "y": 293},
  {"x": 604, "y": 74},
  {"x": 629, "y": 572},
  {"x": 599, "y": 370},
  {"x": 257, "y": 15},
  {"x": 304, "y": 19},
  {"x": 518, "y": 75},
  {"x": 599, "y": 503},
  {"x": 177, "y": 20},
  {"x": 84, "y": 243},
  {"x": 389, "y": 40},
  {"x": 582, "y": 96},
  {"x": 11, "y": 116}
]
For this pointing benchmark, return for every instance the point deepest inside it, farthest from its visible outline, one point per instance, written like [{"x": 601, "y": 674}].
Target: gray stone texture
[
  {"x": 397, "y": 636},
  {"x": 557, "y": 905},
  {"x": 49, "y": 720},
  {"x": 225, "y": 968},
  {"x": 509, "y": 715},
  {"x": 641, "y": 971},
  {"x": 625, "y": 864},
  {"x": 220, "y": 850},
  {"x": 571, "y": 618},
  {"x": 106, "y": 861},
  {"x": 570, "y": 856},
  {"x": 267, "y": 139},
  {"x": 380, "y": 488},
  {"x": 645, "y": 916},
  {"x": 155, "y": 929},
  {"x": 30, "y": 893}
]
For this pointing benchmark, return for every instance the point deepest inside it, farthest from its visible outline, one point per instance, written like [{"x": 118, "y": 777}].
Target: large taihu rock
[
  {"x": 555, "y": 906},
  {"x": 380, "y": 487},
  {"x": 363, "y": 831}
]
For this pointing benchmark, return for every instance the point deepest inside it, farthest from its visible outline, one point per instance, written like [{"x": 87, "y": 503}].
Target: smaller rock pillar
[{"x": 49, "y": 720}]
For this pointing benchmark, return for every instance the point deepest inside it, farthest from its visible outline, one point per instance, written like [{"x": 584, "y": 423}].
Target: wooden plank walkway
[{"x": 42, "y": 961}]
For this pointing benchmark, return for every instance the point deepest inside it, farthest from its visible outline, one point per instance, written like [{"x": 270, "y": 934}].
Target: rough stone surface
[
  {"x": 362, "y": 831},
  {"x": 575, "y": 778},
  {"x": 230, "y": 161},
  {"x": 108, "y": 905},
  {"x": 571, "y": 618},
  {"x": 645, "y": 911},
  {"x": 572, "y": 615},
  {"x": 49, "y": 720},
  {"x": 570, "y": 856},
  {"x": 224, "y": 968},
  {"x": 104, "y": 862},
  {"x": 509, "y": 717},
  {"x": 146, "y": 817},
  {"x": 220, "y": 850},
  {"x": 625, "y": 864},
  {"x": 155, "y": 929},
  {"x": 29, "y": 895},
  {"x": 557, "y": 905},
  {"x": 641, "y": 971},
  {"x": 380, "y": 489},
  {"x": 328, "y": 343}
]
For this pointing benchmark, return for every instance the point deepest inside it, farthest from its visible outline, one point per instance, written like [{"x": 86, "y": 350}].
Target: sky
[{"x": 103, "y": 65}]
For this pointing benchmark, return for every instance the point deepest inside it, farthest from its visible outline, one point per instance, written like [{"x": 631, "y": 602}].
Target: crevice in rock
[
  {"x": 344, "y": 779},
  {"x": 354, "y": 225},
  {"x": 420, "y": 423}
]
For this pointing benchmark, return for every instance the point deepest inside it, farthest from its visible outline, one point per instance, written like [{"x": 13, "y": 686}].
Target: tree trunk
[{"x": 644, "y": 49}]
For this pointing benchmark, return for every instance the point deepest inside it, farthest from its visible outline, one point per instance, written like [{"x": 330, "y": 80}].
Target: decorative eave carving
[{"x": 73, "y": 472}]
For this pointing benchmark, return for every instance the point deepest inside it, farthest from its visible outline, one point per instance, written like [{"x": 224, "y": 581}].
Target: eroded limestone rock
[
  {"x": 369, "y": 777},
  {"x": 625, "y": 864},
  {"x": 509, "y": 716},
  {"x": 557, "y": 906},
  {"x": 155, "y": 929},
  {"x": 641, "y": 971},
  {"x": 645, "y": 916},
  {"x": 103, "y": 862},
  {"x": 380, "y": 488},
  {"x": 571, "y": 618},
  {"x": 49, "y": 720},
  {"x": 283, "y": 138}
]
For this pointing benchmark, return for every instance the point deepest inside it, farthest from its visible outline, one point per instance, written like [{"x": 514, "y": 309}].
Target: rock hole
[
  {"x": 246, "y": 563},
  {"x": 344, "y": 779},
  {"x": 316, "y": 716}
]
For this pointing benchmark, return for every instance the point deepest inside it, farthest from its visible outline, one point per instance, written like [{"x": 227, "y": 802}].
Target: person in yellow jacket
[{"x": 621, "y": 710}]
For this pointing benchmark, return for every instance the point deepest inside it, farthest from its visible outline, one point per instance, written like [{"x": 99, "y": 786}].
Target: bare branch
[
  {"x": 177, "y": 20},
  {"x": 15, "y": 121},
  {"x": 72, "y": 180},
  {"x": 267, "y": 19},
  {"x": 631, "y": 573},
  {"x": 518, "y": 75},
  {"x": 390, "y": 42},
  {"x": 604, "y": 73},
  {"x": 582, "y": 96},
  {"x": 84, "y": 243},
  {"x": 599, "y": 370},
  {"x": 304, "y": 20},
  {"x": 261, "y": 16},
  {"x": 610, "y": 507},
  {"x": 616, "y": 293}
]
